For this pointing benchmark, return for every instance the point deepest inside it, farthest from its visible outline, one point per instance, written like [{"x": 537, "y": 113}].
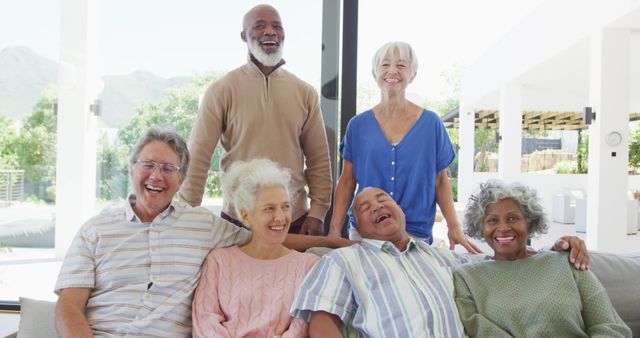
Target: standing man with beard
[{"x": 260, "y": 110}]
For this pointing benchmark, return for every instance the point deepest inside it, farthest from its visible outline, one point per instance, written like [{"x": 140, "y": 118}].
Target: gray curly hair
[{"x": 494, "y": 191}]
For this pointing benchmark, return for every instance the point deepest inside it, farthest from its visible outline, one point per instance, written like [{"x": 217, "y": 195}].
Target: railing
[{"x": 11, "y": 186}]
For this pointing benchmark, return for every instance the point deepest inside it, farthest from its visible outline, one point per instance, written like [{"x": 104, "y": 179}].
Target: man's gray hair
[
  {"x": 403, "y": 48},
  {"x": 170, "y": 137},
  {"x": 242, "y": 180},
  {"x": 494, "y": 191}
]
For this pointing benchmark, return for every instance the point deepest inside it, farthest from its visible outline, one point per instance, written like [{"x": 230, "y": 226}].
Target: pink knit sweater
[{"x": 240, "y": 296}]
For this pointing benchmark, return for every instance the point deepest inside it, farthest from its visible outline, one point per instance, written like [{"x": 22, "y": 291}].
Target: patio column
[
  {"x": 466, "y": 130},
  {"x": 510, "y": 128},
  {"x": 608, "y": 162},
  {"x": 78, "y": 83}
]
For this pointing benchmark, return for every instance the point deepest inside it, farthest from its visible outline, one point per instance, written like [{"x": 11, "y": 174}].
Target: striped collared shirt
[
  {"x": 379, "y": 291},
  {"x": 142, "y": 275}
]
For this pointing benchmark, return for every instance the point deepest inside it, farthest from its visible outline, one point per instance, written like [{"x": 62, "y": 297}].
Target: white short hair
[
  {"x": 242, "y": 180},
  {"x": 403, "y": 48}
]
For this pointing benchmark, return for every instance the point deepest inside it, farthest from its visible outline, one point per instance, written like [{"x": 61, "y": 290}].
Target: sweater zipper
[{"x": 266, "y": 88}]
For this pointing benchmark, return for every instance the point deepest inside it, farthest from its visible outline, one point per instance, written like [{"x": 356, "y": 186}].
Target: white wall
[
  {"x": 634, "y": 103},
  {"x": 552, "y": 99},
  {"x": 562, "y": 69},
  {"x": 549, "y": 29}
]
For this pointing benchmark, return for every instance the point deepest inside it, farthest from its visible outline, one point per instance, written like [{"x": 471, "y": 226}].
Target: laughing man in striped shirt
[{"x": 389, "y": 285}]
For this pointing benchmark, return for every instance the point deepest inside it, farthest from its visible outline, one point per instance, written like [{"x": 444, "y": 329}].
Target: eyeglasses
[{"x": 165, "y": 168}]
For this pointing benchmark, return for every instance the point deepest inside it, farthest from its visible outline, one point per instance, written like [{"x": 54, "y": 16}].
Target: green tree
[
  {"x": 583, "y": 151},
  {"x": 450, "y": 92},
  {"x": 43, "y": 114},
  {"x": 32, "y": 147},
  {"x": 112, "y": 173},
  {"x": 368, "y": 95},
  {"x": 35, "y": 145},
  {"x": 450, "y": 101},
  {"x": 177, "y": 109},
  {"x": 484, "y": 146},
  {"x": 634, "y": 149},
  {"x": 453, "y": 167},
  {"x": 8, "y": 137}
]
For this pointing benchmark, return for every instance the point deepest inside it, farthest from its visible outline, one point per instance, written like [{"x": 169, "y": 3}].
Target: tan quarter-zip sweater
[{"x": 256, "y": 116}]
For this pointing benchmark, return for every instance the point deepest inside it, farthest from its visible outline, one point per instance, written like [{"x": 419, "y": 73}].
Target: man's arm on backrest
[{"x": 70, "y": 318}]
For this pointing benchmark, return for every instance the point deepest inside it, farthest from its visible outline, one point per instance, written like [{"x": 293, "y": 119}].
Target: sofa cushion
[
  {"x": 620, "y": 275},
  {"x": 36, "y": 319}
]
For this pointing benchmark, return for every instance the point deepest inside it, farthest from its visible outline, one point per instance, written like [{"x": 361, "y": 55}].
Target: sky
[{"x": 186, "y": 37}]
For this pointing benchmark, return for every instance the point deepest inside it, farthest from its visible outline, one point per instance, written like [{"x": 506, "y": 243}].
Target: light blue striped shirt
[
  {"x": 378, "y": 291},
  {"x": 142, "y": 275}
]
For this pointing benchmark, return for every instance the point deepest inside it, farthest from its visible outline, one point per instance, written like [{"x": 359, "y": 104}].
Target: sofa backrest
[
  {"x": 36, "y": 319},
  {"x": 620, "y": 275}
]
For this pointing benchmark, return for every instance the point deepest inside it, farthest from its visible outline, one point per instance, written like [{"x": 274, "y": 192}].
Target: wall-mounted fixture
[
  {"x": 588, "y": 115},
  {"x": 614, "y": 138},
  {"x": 96, "y": 107}
]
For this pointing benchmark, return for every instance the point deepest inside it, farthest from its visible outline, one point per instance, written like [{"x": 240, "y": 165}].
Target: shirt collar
[
  {"x": 132, "y": 217},
  {"x": 387, "y": 246}
]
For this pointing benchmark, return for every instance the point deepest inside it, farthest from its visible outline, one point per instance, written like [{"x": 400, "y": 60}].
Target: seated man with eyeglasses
[{"x": 132, "y": 269}]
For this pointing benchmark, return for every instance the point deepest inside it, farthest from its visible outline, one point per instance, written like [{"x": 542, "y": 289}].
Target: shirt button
[
  {"x": 393, "y": 163},
  {"x": 391, "y": 193},
  {"x": 393, "y": 178}
]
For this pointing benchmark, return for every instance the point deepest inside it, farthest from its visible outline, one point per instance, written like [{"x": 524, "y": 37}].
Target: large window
[
  {"x": 156, "y": 67},
  {"x": 29, "y": 53},
  {"x": 156, "y": 59}
]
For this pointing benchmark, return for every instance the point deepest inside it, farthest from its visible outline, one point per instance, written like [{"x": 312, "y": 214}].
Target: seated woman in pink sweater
[{"x": 247, "y": 291}]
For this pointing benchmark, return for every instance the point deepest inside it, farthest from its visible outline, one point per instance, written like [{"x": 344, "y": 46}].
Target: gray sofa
[{"x": 620, "y": 275}]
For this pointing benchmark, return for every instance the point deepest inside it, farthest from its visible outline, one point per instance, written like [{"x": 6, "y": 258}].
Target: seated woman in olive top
[{"x": 522, "y": 293}]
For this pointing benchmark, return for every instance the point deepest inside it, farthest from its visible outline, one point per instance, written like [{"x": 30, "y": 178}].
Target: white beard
[{"x": 269, "y": 60}]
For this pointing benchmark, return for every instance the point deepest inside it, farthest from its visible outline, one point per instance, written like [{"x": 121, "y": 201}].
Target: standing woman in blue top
[{"x": 401, "y": 148}]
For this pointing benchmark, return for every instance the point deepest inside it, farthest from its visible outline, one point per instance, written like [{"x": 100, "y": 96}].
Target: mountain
[
  {"x": 123, "y": 94},
  {"x": 24, "y": 74}
]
